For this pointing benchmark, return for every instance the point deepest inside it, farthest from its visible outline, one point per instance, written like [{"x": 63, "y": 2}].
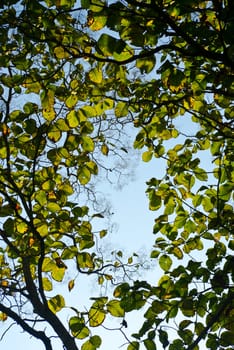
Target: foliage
[{"x": 69, "y": 72}]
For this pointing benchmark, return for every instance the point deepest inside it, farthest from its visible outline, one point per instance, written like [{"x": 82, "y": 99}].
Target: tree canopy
[{"x": 73, "y": 74}]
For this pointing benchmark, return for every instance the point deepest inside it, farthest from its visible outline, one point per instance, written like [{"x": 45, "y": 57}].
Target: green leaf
[
  {"x": 42, "y": 229},
  {"x": 106, "y": 44},
  {"x": 134, "y": 345},
  {"x": 109, "y": 45},
  {"x": 121, "y": 109},
  {"x": 227, "y": 338},
  {"x": 184, "y": 324},
  {"x": 22, "y": 63},
  {"x": 57, "y": 303},
  {"x": 18, "y": 115},
  {"x": 60, "y": 52},
  {"x": 84, "y": 175},
  {"x": 155, "y": 201},
  {"x": 149, "y": 344},
  {"x": 97, "y": 21},
  {"x": 95, "y": 75},
  {"x": 71, "y": 101},
  {"x": 187, "y": 308},
  {"x": 87, "y": 144},
  {"x": 53, "y": 207},
  {"x": 114, "y": 308},
  {"x": 147, "y": 156},
  {"x": 231, "y": 244},
  {"x": 154, "y": 254},
  {"x": 78, "y": 327},
  {"x": 165, "y": 262},
  {"x": 91, "y": 344},
  {"x": 66, "y": 188},
  {"x": 54, "y": 134},
  {"x": 95, "y": 6},
  {"x": 97, "y": 314},
  {"x": 176, "y": 80},
  {"x": 47, "y": 101},
  {"x": 87, "y": 112},
  {"x": 177, "y": 344},
  {"x": 47, "y": 285},
  {"x": 146, "y": 65},
  {"x": 85, "y": 260},
  {"x": 96, "y": 341},
  {"x": 41, "y": 197},
  {"x": 201, "y": 174},
  {"x": 72, "y": 119},
  {"x": 163, "y": 337},
  {"x": 181, "y": 219},
  {"x": 102, "y": 233}
]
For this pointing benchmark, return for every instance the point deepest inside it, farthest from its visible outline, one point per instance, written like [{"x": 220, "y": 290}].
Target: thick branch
[
  {"x": 43, "y": 310},
  {"x": 37, "y": 334}
]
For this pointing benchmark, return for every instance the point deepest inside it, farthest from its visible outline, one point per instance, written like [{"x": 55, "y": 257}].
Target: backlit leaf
[
  {"x": 56, "y": 303},
  {"x": 78, "y": 327},
  {"x": 165, "y": 262},
  {"x": 60, "y": 52},
  {"x": 95, "y": 75},
  {"x": 87, "y": 144},
  {"x": 121, "y": 109},
  {"x": 72, "y": 119},
  {"x": 114, "y": 308},
  {"x": 97, "y": 314},
  {"x": 71, "y": 101},
  {"x": 146, "y": 65},
  {"x": 47, "y": 285},
  {"x": 133, "y": 346},
  {"x": 149, "y": 344},
  {"x": 147, "y": 156}
]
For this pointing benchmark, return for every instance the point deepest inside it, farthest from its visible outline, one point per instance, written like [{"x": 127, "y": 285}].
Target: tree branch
[
  {"x": 37, "y": 334},
  {"x": 44, "y": 311},
  {"x": 213, "y": 319},
  {"x": 166, "y": 18}
]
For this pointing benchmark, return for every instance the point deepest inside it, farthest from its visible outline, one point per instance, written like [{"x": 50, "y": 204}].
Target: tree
[
  {"x": 154, "y": 65},
  {"x": 49, "y": 152}
]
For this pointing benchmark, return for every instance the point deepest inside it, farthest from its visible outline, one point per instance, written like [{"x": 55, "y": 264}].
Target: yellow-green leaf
[
  {"x": 56, "y": 303},
  {"x": 95, "y": 75},
  {"x": 78, "y": 328},
  {"x": 72, "y": 119},
  {"x": 47, "y": 285},
  {"x": 53, "y": 207},
  {"x": 47, "y": 101},
  {"x": 60, "y": 52},
  {"x": 165, "y": 262},
  {"x": 121, "y": 109},
  {"x": 147, "y": 156},
  {"x": 42, "y": 229},
  {"x": 114, "y": 308},
  {"x": 85, "y": 260},
  {"x": 57, "y": 273},
  {"x": 84, "y": 175},
  {"x": 96, "y": 315},
  {"x": 71, "y": 101},
  {"x": 87, "y": 144}
]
